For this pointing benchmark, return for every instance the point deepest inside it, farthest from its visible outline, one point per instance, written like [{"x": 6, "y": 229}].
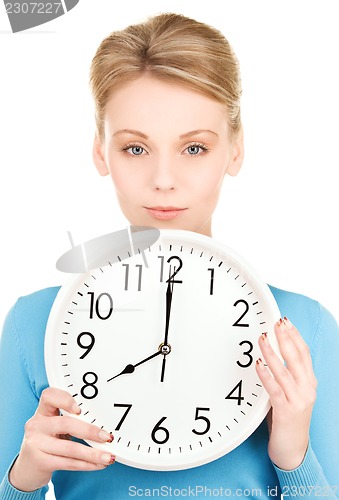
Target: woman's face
[{"x": 167, "y": 149}]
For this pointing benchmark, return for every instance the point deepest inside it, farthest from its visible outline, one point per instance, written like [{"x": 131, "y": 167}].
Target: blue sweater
[{"x": 245, "y": 472}]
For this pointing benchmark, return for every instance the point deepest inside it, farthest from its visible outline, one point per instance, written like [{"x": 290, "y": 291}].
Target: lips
[{"x": 165, "y": 213}]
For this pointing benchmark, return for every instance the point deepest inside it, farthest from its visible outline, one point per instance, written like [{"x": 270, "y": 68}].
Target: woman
[{"x": 167, "y": 96}]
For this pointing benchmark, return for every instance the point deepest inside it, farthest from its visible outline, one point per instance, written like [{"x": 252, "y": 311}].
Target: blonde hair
[{"x": 174, "y": 48}]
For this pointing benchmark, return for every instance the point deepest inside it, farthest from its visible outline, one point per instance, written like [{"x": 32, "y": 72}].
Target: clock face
[{"x": 160, "y": 350}]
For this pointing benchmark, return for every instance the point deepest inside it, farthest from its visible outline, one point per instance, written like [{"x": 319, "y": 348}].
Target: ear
[
  {"x": 99, "y": 156},
  {"x": 237, "y": 154}
]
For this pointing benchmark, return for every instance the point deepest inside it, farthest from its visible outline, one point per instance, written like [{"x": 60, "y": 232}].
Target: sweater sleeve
[
  {"x": 8, "y": 492},
  {"x": 307, "y": 480},
  {"x": 318, "y": 475},
  {"x": 18, "y": 399}
]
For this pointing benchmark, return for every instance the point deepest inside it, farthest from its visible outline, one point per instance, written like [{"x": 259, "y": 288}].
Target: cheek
[
  {"x": 125, "y": 184},
  {"x": 210, "y": 177},
  {"x": 209, "y": 185}
]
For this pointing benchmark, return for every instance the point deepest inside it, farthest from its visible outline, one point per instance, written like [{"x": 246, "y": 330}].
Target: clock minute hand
[
  {"x": 130, "y": 368},
  {"x": 169, "y": 295}
]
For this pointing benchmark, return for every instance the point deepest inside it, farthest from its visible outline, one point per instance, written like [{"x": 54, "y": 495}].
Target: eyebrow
[
  {"x": 182, "y": 136},
  {"x": 131, "y": 132},
  {"x": 196, "y": 132}
]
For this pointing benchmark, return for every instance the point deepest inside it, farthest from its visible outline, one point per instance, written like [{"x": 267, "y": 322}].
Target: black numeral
[
  {"x": 88, "y": 344},
  {"x": 158, "y": 428},
  {"x": 93, "y": 389},
  {"x": 212, "y": 279},
  {"x": 176, "y": 270},
  {"x": 237, "y": 389},
  {"x": 96, "y": 305},
  {"x": 118, "y": 405},
  {"x": 205, "y": 419},
  {"x": 241, "y": 301},
  {"x": 246, "y": 353}
]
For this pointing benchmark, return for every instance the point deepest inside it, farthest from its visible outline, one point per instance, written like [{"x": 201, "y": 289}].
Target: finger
[
  {"x": 291, "y": 353},
  {"x": 53, "y": 399},
  {"x": 274, "y": 390},
  {"x": 73, "y": 465},
  {"x": 281, "y": 374},
  {"x": 50, "y": 463},
  {"x": 76, "y": 451},
  {"x": 65, "y": 425},
  {"x": 81, "y": 430},
  {"x": 302, "y": 347}
]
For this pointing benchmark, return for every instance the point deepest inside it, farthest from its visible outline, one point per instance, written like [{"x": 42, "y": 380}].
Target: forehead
[{"x": 151, "y": 105}]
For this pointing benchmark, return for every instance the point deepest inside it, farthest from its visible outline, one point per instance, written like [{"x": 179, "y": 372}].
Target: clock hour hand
[{"x": 130, "y": 368}]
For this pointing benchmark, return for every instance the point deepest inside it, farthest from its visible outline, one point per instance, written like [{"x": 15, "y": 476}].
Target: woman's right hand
[{"x": 45, "y": 447}]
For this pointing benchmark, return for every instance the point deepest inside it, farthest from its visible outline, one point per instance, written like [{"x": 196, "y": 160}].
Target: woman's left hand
[{"x": 292, "y": 391}]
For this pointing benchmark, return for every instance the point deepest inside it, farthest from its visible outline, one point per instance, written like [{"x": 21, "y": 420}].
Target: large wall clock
[{"x": 160, "y": 349}]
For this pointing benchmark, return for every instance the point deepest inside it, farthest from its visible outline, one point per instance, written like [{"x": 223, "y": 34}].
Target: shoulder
[
  {"x": 28, "y": 319},
  {"x": 23, "y": 337},
  {"x": 33, "y": 310},
  {"x": 310, "y": 317},
  {"x": 296, "y": 306},
  {"x": 30, "y": 312}
]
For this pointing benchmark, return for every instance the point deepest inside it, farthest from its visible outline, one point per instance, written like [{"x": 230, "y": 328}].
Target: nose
[{"x": 164, "y": 176}]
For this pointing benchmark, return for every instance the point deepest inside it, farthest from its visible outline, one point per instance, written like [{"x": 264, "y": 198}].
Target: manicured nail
[
  {"x": 106, "y": 436},
  {"x": 260, "y": 363},
  {"x": 287, "y": 322},
  {"x": 107, "y": 458},
  {"x": 76, "y": 409},
  {"x": 264, "y": 337},
  {"x": 280, "y": 322}
]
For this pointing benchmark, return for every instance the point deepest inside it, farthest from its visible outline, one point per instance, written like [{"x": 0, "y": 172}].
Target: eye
[
  {"x": 134, "y": 149},
  {"x": 196, "y": 149}
]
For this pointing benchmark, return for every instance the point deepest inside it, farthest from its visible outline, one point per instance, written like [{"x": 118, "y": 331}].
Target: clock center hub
[{"x": 165, "y": 348}]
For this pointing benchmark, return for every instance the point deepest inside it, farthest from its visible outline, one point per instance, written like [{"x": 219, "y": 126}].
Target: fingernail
[
  {"x": 280, "y": 322},
  {"x": 107, "y": 458},
  {"x": 106, "y": 436},
  {"x": 76, "y": 409},
  {"x": 260, "y": 363},
  {"x": 264, "y": 337},
  {"x": 287, "y": 322}
]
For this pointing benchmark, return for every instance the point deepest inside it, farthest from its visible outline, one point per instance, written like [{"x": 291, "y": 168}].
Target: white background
[{"x": 280, "y": 213}]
